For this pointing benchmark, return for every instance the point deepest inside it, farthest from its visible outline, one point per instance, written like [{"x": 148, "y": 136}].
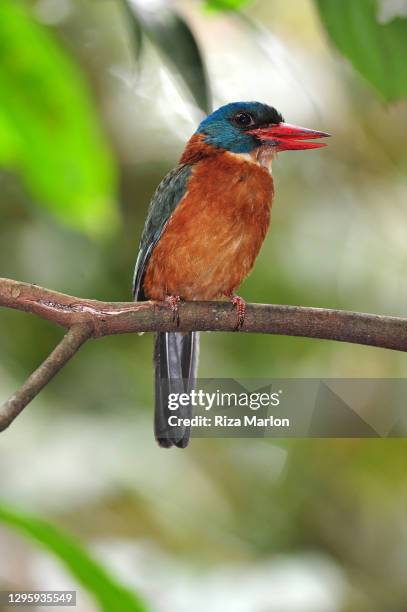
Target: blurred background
[{"x": 97, "y": 100}]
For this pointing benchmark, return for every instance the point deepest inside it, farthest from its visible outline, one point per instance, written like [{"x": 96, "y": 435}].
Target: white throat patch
[{"x": 262, "y": 156}]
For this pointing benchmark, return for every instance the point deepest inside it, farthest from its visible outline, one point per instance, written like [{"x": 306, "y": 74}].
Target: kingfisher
[{"x": 204, "y": 229}]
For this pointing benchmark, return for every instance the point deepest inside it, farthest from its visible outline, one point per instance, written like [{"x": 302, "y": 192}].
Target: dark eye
[{"x": 243, "y": 119}]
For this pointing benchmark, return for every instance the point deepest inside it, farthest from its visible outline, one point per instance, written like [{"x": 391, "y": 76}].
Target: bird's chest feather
[{"x": 214, "y": 235}]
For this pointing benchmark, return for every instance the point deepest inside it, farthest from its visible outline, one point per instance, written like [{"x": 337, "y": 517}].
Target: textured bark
[
  {"x": 91, "y": 318},
  {"x": 107, "y": 318}
]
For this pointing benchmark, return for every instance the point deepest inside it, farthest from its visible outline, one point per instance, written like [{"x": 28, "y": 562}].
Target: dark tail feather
[{"x": 176, "y": 362}]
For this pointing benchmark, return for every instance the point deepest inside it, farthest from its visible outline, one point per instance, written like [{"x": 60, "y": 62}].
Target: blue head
[
  {"x": 229, "y": 127},
  {"x": 243, "y": 127}
]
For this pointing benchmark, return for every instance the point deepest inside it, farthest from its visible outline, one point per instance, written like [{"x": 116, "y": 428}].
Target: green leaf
[
  {"x": 377, "y": 50},
  {"x": 135, "y": 29},
  {"x": 109, "y": 594},
  {"x": 49, "y": 133},
  {"x": 174, "y": 39},
  {"x": 225, "y": 5}
]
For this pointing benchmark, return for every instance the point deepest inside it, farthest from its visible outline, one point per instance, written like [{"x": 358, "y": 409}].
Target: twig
[{"x": 69, "y": 345}]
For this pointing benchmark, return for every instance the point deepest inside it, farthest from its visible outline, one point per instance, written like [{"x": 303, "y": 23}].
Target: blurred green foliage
[
  {"x": 226, "y": 5},
  {"x": 377, "y": 50},
  {"x": 333, "y": 243},
  {"x": 171, "y": 34},
  {"x": 109, "y": 594},
  {"x": 48, "y": 130}
]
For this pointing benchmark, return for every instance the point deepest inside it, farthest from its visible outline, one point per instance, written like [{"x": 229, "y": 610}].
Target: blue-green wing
[{"x": 166, "y": 198}]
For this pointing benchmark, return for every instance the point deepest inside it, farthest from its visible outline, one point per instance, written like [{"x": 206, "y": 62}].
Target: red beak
[{"x": 285, "y": 136}]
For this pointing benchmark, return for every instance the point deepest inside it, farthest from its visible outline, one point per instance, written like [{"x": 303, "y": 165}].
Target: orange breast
[{"x": 212, "y": 239}]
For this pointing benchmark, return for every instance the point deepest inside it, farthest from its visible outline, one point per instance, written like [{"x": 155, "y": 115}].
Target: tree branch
[
  {"x": 107, "y": 318},
  {"x": 85, "y": 318},
  {"x": 69, "y": 345}
]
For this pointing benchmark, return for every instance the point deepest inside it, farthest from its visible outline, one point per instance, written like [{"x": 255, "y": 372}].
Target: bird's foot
[
  {"x": 240, "y": 306},
  {"x": 173, "y": 301}
]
